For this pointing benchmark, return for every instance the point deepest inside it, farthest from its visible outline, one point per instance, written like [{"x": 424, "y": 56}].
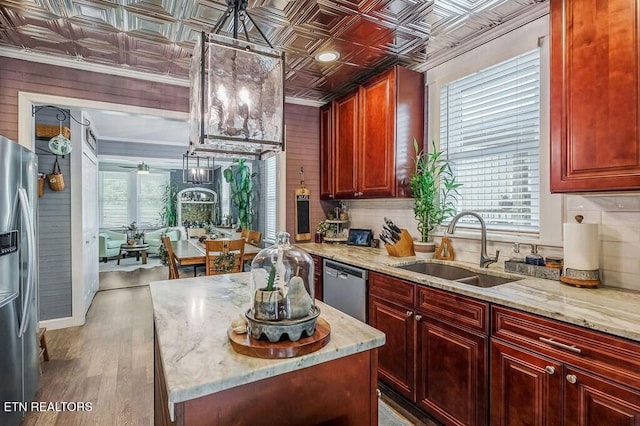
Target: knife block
[{"x": 403, "y": 248}]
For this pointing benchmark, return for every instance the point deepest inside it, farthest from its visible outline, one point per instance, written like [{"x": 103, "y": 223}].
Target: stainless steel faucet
[{"x": 485, "y": 260}]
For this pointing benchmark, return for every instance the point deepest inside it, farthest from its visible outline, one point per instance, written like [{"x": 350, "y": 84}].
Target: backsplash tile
[{"x": 618, "y": 216}]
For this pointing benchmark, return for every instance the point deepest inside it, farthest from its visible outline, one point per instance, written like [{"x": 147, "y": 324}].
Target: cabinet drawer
[
  {"x": 391, "y": 289},
  {"x": 454, "y": 309},
  {"x": 611, "y": 357}
]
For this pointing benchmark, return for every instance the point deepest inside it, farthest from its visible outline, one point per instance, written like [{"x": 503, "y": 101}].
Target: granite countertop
[
  {"x": 191, "y": 319},
  {"x": 604, "y": 309}
]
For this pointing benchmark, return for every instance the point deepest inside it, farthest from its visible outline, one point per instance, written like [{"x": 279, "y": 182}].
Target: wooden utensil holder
[{"x": 403, "y": 248}]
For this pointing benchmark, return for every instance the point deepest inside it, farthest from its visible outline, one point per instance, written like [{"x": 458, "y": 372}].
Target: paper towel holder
[{"x": 579, "y": 277}]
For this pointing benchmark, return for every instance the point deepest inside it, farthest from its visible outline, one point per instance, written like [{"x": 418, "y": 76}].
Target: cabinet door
[
  {"x": 526, "y": 389},
  {"x": 345, "y": 164},
  {"x": 326, "y": 152},
  {"x": 377, "y": 149},
  {"x": 595, "y": 140},
  {"x": 396, "y": 357},
  {"x": 591, "y": 401},
  {"x": 317, "y": 276},
  {"x": 452, "y": 373}
]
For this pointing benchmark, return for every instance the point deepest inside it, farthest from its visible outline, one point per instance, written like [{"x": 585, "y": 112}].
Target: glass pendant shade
[{"x": 237, "y": 98}]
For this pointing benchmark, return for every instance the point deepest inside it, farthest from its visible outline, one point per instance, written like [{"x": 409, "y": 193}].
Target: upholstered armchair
[
  {"x": 109, "y": 243},
  {"x": 153, "y": 238}
]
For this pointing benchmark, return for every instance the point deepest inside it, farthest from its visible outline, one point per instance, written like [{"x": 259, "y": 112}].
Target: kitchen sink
[{"x": 456, "y": 274}]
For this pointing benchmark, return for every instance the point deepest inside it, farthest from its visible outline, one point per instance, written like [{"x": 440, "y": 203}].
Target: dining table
[{"x": 192, "y": 252}]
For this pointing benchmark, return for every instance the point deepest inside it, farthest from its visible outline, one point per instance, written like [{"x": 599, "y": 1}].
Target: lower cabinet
[
  {"x": 436, "y": 349},
  {"x": 544, "y": 372},
  {"x": 317, "y": 277}
]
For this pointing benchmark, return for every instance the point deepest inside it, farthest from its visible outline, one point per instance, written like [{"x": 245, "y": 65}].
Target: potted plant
[
  {"x": 168, "y": 213},
  {"x": 435, "y": 190},
  {"x": 240, "y": 179},
  {"x": 321, "y": 230}
]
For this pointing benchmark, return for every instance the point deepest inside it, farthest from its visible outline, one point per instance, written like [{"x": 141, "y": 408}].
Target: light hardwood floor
[{"x": 108, "y": 362}]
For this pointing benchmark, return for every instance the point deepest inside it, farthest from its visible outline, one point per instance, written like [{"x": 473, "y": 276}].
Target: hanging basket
[
  {"x": 49, "y": 131},
  {"x": 55, "y": 178}
]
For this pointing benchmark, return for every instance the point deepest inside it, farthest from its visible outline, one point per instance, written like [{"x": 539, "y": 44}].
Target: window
[
  {"x": 114, "y": 200},
  {"x": 271, "y": 199},
  {"x": 127, "y": 196},
  {"x": 150, "y": 192},
  {"x": 490, "y": 130}
]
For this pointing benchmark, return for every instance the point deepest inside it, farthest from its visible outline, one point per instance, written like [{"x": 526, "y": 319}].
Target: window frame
[
  {"x": 133, "y": 210},
  {"x": 519, "y": 41}
]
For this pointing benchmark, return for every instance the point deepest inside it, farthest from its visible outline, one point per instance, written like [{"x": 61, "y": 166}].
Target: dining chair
[
  {"x": 217, "y": 256},
  {"x": 196, "y": 232},
  {"x": 173, "y": 263},
  {"x": 255, "y": 238},
  {"x": 244, "y": 234}
]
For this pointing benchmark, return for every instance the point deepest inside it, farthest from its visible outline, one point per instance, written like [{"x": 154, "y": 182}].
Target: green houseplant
[
  {"x": 240, "y": 178},
  {"x": 434, "y": 189},
  {"x": 169, "y": 212}
]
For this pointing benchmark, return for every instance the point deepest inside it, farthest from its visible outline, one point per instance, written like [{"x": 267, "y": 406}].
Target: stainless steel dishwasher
[{"x": 345, "y": 288}]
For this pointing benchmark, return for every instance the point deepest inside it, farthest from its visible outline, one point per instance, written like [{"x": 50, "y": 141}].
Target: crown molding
[{"x": 69, "y": 62}]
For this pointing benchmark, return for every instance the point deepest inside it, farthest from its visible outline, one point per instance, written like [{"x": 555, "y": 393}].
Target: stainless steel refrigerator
[{"x": 19, "y": 346}]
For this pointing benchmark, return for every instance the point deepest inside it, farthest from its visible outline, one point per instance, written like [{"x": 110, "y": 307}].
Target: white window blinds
[
  {"x": 490, "y": 130},
  {"x": 150, "y": 192},
  {"x": 271, "y": 200},
  {"x": 114, "y": 201}
]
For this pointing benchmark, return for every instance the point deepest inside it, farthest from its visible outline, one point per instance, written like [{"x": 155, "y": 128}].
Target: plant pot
[
  {"x": 424, "y": 250},
  {"x": 267, "y": 304},
  {"x": 319, "y": 238}
]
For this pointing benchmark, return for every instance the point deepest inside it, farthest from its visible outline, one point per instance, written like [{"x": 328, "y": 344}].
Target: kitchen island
[{"x": 200, "y": 379}]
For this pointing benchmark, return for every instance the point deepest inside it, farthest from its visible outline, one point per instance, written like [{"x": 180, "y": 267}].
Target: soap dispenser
[
  {"x": 534, "y": 258},
  {"x": 515, "y": 254}
]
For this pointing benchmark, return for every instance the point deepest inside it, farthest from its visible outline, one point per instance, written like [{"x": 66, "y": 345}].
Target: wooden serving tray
[{"x": 246, "y": 345}]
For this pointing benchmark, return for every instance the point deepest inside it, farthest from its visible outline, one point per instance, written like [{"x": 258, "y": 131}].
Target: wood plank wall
[
  {"x": 17, "y": 75},
  {"x": 303, "y": 150}
]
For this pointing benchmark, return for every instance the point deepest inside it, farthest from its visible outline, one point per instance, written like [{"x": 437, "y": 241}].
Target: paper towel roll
[{"x": 581, "y": 246}]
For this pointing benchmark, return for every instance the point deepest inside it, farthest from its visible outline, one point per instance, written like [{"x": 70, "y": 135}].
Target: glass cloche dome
[{"x": 283, "y": 299}]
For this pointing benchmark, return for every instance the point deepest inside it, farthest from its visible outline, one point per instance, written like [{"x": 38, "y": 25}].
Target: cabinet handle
[
  {"x": 552, "y": 342},
  {"x": 571, "y": 378},
  {"x": 549, "y": 369},
  {"x": 418, "y": 317},
  {"x": 330, "y": 195},
  {"x": 409, "y": 313}
]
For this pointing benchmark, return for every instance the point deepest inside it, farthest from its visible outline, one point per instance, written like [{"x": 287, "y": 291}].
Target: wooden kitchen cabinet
[
  {"x": 557, "y": 373},
  {"x": 346, "y": 140},
  {"x": 318, "y": 287},
  {"x": 371, "y": 137},
  {"x": 396, "y": 363},
  {"x": 595, "y": 110},
  {"x": 525, "y": 388},
  {"x": 326, "y": 152},
  {"x": 452, "y": 378},
  {"x": 436, "y": 348}
]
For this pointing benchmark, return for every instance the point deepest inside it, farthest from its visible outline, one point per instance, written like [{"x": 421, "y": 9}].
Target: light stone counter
[
  {"x": 191, "y": 319},
  {"x": 604, "y": 309}
]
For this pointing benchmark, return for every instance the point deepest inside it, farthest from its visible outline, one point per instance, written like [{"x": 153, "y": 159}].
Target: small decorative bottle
[{"x": 534, "y": 258}]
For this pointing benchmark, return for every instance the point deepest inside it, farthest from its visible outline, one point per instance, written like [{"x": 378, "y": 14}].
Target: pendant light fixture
[
  {"x": 237, "y": 92},
  {"x": 197, "y": 169}
]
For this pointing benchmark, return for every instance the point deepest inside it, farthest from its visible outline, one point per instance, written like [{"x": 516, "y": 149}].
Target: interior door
[{"x": 89, "y": 225}]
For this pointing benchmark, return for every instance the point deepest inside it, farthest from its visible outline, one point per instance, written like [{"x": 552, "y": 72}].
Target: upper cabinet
[
  {"x": 367, "y": 137},
  {"x": 595, "y": 80}
]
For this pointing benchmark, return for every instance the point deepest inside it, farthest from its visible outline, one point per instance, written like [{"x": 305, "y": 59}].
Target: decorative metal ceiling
[{"x": 158, "y": 36}]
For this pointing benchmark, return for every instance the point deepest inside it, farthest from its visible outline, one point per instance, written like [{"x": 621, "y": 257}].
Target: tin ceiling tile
[{"x": 158, "y": 36}]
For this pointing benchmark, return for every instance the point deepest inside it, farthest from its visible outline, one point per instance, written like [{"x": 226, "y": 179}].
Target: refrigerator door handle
[{"x": 25, "y": 208}]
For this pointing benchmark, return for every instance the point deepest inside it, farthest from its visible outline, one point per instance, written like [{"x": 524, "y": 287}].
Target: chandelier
[
  {"x": 237, "y": 96},
  {"x": 197, "y": 169}
]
